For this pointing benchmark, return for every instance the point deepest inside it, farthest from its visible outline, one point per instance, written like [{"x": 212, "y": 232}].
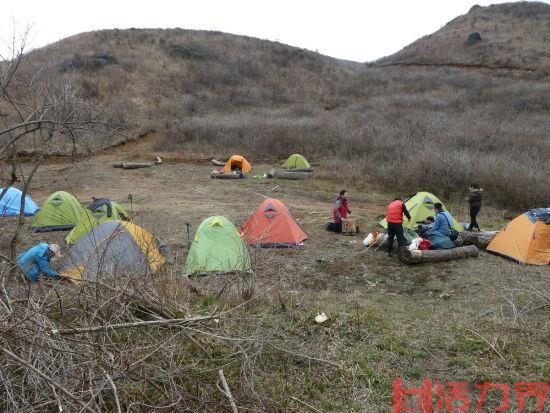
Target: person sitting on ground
[
  {"x": 36, "y": 261},
  {"x": 443, "y": 220},
  {"x": 394, "y": 217},
  {"x": 474, "y": 199},
  {"x": 339, "y": 212},
  {"x": 425, "y": 224}
]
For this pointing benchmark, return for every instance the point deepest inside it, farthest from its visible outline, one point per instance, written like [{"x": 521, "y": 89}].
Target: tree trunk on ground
[
  {"x": 226, "y": 176},
  {"x": 217, "y": 163},
  {"x": 132, "y": 165},
  {"x": 417, "y": 256},
  {"x": 298, "y": 170},
  {"x": 294, "y": 175},
  {"x": 479, "y": 239}
]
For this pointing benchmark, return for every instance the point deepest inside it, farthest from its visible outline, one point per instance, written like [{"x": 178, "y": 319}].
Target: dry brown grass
[{"x": 513, "y": 35}]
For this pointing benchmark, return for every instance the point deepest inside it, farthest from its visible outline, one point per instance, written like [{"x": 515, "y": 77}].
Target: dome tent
[
  {"x": 217, "y": 247},
  {"x": 296, "y": 161},
  {"x": 91, "y": 219},
  {"x": 526, "y": 238},
  {"x": 114, "y": 248},
  {"x": 10, "y": 204},
  {"x": 237, "y": 162},
  {"x": 421, "y": 206},
  {"x": 272, "y": 225},
  {"x": 60, "y": 212}
]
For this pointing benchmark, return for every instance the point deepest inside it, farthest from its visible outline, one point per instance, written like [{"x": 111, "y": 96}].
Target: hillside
[
  {"x": 511, "y": 35},
  {"x": 210, "y": 94}
]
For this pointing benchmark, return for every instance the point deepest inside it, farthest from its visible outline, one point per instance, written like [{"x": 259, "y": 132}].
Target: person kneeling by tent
[
  {"x": 339, "y": 212},
  {"x": 394, "y": 217},
  {"x": 36, "y": 261}
]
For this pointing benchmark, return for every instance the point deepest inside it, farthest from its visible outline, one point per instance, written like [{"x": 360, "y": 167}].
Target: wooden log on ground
[
  {"x": 217, "y": 163},
  {"x": 294, "y": 175},
  {"x": 136, "y": 165},
  {"x": 409, "y": 257},
  {"x": 298, "y": 170},
  {"x": 131, "y": 165},
  {"x": 271, "y": 174},
  {"x": 218, "y": 175},
  {"x": 479, "y": 239}
]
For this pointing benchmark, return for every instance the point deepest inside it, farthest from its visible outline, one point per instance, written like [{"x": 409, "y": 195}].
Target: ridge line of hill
[{"x": 457, "y": 66}]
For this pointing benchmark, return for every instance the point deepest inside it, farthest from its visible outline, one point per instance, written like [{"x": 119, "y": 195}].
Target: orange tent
[
  {"x": 526, "y": 238},
  {"x": 272, "y": 225},
  {"x": 237, "y": 161}
]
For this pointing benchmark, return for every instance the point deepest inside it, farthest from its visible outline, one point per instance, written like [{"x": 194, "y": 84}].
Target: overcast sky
[{"x": 355, "y": 30}]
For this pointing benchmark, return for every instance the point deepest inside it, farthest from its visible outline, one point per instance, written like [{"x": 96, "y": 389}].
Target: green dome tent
[
  {"x": 217, "y": 247},
  {"x": 91, "y": 219},
  {"x": 296, "y": 161},
  {"x": 60, "y": 212},
  {"x": 421, "y": 206}
]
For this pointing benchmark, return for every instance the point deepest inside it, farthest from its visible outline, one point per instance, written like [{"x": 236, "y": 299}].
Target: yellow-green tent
[
  {"x": 421, "y": 206},
  {"x": 60, "y": 212},
  {"x": 296, "y": 161},
  {"x": 217, "y": 247},
  {"x": 91, "y": 219}
]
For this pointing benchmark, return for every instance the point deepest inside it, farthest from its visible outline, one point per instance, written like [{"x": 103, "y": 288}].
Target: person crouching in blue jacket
[{"x": 36, "y": 261}]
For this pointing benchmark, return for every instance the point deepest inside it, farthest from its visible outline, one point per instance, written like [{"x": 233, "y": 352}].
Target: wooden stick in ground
[
  {"x": 228, "y": 392},
  {"x": 110, "y": 327},
  {"x": 46, "y": 378}
]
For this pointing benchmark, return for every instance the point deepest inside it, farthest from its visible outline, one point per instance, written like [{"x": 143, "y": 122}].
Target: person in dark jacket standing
[
  {"x": 394, "y": 217},
  {"x": 474, "y": 199}
]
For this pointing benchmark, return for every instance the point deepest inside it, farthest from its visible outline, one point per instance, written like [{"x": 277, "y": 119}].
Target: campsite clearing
[{"x": 386, "y": 320}]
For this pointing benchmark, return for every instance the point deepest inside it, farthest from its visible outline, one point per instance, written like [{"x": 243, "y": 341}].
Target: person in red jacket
[
  {"x": 394, "y": 217},
  {"x": 339, "y": 212}
]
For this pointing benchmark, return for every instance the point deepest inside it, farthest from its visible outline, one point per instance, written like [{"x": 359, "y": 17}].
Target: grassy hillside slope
[
  {"x": 514, "y": 35},
  {"x": 398, "y": 128}
]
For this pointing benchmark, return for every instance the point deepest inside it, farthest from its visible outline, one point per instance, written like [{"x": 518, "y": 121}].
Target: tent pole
[{"x": 187, "y": 225}]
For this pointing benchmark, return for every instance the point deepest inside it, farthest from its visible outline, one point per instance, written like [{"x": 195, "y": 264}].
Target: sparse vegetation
[
  {"x": 406, "y": 128},
  {"x": 195, "y": 95}
]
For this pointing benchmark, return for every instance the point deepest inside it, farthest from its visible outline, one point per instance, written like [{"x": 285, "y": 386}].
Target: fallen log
[
  {"x": 479, "y": 239},
  {"x": 226, "y": 176},
  {"x": 409, "y": 257},
  {"x": 294, "y": 175},
  {"x": 132, "y": 165},
  {"x": 217, "y": 163},
  {"x": 298, "y": 170}
]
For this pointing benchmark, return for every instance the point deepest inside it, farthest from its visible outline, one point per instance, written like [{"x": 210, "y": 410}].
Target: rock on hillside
[{"x": 509, "y": 35}]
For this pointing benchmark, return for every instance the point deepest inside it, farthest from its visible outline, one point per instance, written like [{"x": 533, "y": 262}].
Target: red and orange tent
[
  {"x": 525, "y": 239},
  {"x": 272, "y": 225}
]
